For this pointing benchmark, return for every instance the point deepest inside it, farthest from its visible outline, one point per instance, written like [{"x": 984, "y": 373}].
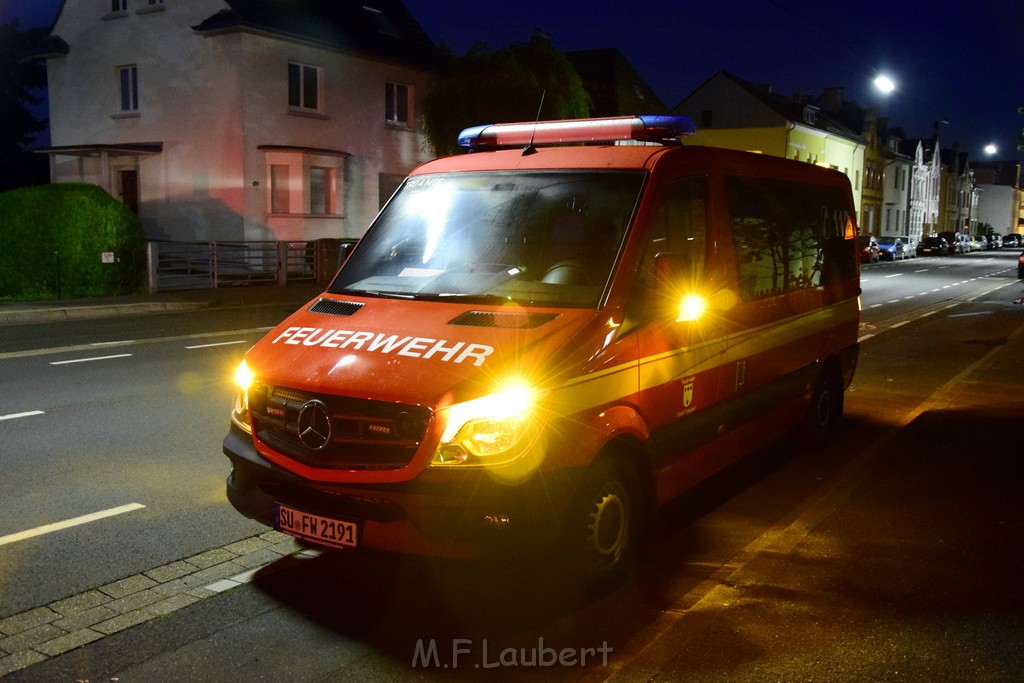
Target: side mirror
[
  {"x": 676, "y": 291},
  {"x": 671, "y": 269}
]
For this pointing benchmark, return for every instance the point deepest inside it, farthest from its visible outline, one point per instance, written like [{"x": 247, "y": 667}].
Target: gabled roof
[
  {"x": 614, "y": 86},
  {"x": 787, "y": 108},
  {"x": 379, "y": 28},
  {"x": 792, "y": 108}
]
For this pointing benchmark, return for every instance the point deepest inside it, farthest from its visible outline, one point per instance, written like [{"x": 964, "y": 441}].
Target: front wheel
[{"x": 602, "y": 530}]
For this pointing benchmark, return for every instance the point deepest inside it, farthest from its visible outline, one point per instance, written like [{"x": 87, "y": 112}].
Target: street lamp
[
  {"x": 884, "y": 84},
  {"x": 991, "y": 149}
]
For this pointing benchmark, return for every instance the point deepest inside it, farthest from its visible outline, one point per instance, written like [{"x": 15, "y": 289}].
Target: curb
[{"x": 56, "y": 314}]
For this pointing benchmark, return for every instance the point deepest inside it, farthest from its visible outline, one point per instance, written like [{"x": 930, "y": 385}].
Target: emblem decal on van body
[{"x": 379, "y": 342}]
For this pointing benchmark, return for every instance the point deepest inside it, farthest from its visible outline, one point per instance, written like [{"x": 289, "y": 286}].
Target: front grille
[{"x": 363, "y": 434}]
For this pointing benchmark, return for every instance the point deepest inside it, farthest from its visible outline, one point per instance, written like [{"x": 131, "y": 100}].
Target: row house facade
[
  {"x": 901, "y": 187},
  {"x": 731, "y": 112},
  {"x": 239, "y": 119},
  {"x": 1000, "y": 203}
]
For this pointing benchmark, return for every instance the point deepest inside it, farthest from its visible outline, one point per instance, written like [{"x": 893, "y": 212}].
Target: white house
[
  {"x": 896, "y": 182},
  {"x": 239, "y": 119}
]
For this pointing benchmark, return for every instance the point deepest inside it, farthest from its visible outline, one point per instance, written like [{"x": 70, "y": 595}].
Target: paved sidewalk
[
  {"x": 161, "y": 302},
  {"x": 51, "y": 630}
]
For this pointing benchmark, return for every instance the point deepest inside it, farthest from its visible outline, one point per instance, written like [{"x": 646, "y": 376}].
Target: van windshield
[{"x": 533, "y": 238}]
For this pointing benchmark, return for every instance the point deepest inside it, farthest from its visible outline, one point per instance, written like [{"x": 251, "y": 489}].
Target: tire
[
  {"x": 603, "y": 527},
  {"x": 823, "y": 415}
]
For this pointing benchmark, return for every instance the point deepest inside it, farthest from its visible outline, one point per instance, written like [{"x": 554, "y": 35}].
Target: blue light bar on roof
[{"x": 609, "y": 129}]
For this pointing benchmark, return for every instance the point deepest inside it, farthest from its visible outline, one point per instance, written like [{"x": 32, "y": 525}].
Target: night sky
[{"x": 953, "y": 60}]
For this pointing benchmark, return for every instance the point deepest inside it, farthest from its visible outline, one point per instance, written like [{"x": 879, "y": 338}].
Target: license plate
[{"x": 337, "y": 533}]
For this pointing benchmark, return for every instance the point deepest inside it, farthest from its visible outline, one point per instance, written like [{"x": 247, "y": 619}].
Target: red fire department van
[{"x": 537, "y": 343}]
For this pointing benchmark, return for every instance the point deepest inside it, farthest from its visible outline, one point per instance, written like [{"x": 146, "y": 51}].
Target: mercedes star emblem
[{"x": 314, "y": 425}]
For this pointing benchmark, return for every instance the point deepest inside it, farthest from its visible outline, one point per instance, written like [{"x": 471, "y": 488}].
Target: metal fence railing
[{"x": 209, "y": 265}]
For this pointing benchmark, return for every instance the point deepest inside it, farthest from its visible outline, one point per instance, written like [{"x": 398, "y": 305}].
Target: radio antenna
[{"x": 530, "y": 149}]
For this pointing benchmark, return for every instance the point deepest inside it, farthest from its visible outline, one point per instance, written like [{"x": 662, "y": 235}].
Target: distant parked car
[
  {"x": 995, "y": 241},
  {"x": 890, "y": 248},
  {"x": 1012, "y": 240},
  {"x": 868, "y": 249},
  {"x": 909, "y": 247},
  {"x": 933, "y": 246},
  {"x": 978, "y": 243},
  {"x": 954, "y": 244}
]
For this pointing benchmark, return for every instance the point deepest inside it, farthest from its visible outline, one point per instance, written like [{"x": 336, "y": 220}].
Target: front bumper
[{"x": 439, "y": 513}]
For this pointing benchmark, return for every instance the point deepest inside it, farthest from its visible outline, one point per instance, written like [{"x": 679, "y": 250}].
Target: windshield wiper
[
  {"x": 382, "y": 295},
  {"x": 465, "y": 296}
]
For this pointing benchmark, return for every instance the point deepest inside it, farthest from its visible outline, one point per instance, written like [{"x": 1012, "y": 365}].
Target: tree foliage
[
  {"x": 1021, "y": 146},
  {"x": 54, "y": 237},
  {"x": 484, "y": 87},
  {"x": 19, "y": 79}
]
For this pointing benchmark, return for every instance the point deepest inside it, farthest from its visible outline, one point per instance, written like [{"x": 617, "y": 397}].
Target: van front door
[{"x": 679, "y": 354}]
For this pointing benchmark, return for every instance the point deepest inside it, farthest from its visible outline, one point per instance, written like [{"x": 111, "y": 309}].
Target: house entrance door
[{"x": 130, "y": 189}]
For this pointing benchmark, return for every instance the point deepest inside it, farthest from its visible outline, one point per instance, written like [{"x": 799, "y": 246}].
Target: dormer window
[
  {"x": 810, "y": 115},
  {"x": 381, "y": 21}
]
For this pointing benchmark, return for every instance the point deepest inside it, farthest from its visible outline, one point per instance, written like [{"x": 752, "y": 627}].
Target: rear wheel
[{"x": 825, "y": 411}]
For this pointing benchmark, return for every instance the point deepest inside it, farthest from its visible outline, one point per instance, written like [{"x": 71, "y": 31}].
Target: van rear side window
[{"x": 788, "y": 236}]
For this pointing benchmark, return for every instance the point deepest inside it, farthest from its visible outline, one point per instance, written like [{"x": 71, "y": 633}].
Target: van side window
[
  {"x": 680, "y": 224},
  {"x": 788, "y": 236}
]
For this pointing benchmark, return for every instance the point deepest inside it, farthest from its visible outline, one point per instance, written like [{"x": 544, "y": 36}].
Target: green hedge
[{"x": 52, "y": 238}]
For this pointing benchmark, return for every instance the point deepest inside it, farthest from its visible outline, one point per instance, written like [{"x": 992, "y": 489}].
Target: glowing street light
[
  {"x": 991, "y": 149},
  {"x": 885, "y": 84}
]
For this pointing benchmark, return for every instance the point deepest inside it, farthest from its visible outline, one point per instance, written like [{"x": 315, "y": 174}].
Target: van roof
[{"x": 638, "y": 157}]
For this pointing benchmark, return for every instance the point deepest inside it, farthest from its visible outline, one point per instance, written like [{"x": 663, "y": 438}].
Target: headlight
[
  {"x": 244, "y": 378},
  {"x": 486, "y": 431}
]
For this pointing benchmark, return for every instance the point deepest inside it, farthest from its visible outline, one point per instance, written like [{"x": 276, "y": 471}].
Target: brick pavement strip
[{"x": 42, "y": 632}]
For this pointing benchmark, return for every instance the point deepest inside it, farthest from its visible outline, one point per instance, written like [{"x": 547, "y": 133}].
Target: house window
[
  {"x": 396, "y": 103},
  {"x": 128, "y": 83},
  {"x": 706, "y": 118},
  {"x": 303, "y": 183},
  {"x": 118, "y": 5},
  {"x": 279, "y": 190},
  {"x": 321, "y": 190},
  {"x": 304, "y": 86}
]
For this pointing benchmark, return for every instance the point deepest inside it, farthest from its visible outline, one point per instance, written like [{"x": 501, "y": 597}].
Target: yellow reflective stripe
[
  {"x": 612, "y": 384},
  {"x": 757, "y": 340}
]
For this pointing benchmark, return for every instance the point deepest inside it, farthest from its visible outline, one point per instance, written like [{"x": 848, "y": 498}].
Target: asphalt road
[{"x": 892, "y": 555}]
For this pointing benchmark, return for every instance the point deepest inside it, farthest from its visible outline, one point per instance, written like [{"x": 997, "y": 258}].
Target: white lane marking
[
  {"x": 207, "y": 346},
  {"x": 123, "y": 342},
  {"x": 15, "y": 416},
  {"x": 88, "y": 360},
  {"x": 87, "y": 347},
  {"x": 57, "y": 526},
  {"x": 899, "y": 324},
  {"x": 965, "y": 315},
  {"x": 896, "y": 275},
  {"x": 864, "y": 337}
]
